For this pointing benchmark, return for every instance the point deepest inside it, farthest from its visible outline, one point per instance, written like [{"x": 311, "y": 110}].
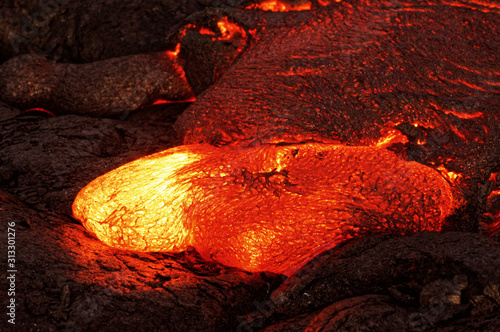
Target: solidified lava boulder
[
  {"x": 112, "y": 87},
  {"x": 206, "y": 45}
]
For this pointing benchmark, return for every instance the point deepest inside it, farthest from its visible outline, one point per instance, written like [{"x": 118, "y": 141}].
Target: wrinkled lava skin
[
  {"x": 354, "y": 69},
  {"x": 264, "y": 208}
]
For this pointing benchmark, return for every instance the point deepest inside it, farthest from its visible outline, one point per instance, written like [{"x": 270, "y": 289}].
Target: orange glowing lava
[
  {"x": 390, "y": 137},
  {"x": 285, "y": 6},
  {"x": 202, "y": 30},
  {"x": 452, "y": 176},
  {"x": 163, "y": 101},
  {"x": 493, "y": 208},
  {"x": 228, "y": 30},
  {"x": 280, "y": 6},
  {"x": 265, "y": 208},
  {"x": 173, "y": 54},
  {"x": 173, "y": 59}
]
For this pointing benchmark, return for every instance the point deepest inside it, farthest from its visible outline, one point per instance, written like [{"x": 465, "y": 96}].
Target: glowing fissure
[
  {"x": 173, "y": 58},
  {"x": 493, "y": 211},
  {"x": 38, "y": 109},
  {"x": 285, "y": 6},
  {"x": 270, "y": 207},
  {"x": 391, "y": 136},
  {"x": 228, "y": 30}
]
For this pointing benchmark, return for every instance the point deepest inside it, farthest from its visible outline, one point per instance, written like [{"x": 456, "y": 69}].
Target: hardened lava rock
[
  {"x": 68, "y": 280},
  {"x": 423, "y": 282},
  {"x": 92, "y": 30},
  {"x": 202, "y": 49},
  {"x": 112, "y": 87}
]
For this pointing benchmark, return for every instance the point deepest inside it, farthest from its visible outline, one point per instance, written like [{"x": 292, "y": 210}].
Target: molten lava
[
  {"x": 492, "y": 211},
  {"x": 281, "y": 6},
  {"x": 227, "y": 30},
  {"x": 285, "y": 6},
  {"x": 264, "y": 208}
]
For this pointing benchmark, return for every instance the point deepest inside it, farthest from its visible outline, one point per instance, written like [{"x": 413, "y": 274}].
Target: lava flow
[{"x": 265, "y": 208}]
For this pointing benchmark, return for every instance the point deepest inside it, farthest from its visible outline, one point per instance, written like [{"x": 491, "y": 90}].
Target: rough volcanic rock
[
  {"x": 347, "y": 70},
  {"x": 91, "y": 30},
  {"x": 421, "y": 78},
  {"x": 206, "y": 56},
  {"x": 68, "y": 280},
  {"x": 207, "y": 44},
  {"x": 7, "y": 112},
  {"x": 372, "y": 312},
  {"x": 415, "y": 283},
  {"x": 382, "y": 66},
  {"x": 112, "y": 87}
]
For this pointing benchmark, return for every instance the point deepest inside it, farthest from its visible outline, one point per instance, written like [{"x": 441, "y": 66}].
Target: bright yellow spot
[
  {"x": 142, "y": 199},
  {"x": 175, "y": 52},
  {"x": 452, "y": 176},
  {"x": 230, "y": 30}
]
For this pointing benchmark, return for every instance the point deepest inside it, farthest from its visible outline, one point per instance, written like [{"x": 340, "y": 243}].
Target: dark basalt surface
[
  {"x": 117, "y": 86},
  {"x": 421, "y": 281},
  {"x": 45, "y": 161},
  {"x": 107, "y": 88},
  {"x": 91, "y": 30},
  {"x": 347, "y": 72}
]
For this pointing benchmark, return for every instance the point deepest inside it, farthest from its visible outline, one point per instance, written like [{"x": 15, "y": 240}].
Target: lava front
[{"x": 263, "y": 208}]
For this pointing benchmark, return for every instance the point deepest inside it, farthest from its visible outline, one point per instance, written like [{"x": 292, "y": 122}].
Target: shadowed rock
[{"x": 408, "y": 283}]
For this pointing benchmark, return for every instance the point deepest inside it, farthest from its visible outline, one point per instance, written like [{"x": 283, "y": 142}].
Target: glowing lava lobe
[{"x": 271, "y": 207}]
